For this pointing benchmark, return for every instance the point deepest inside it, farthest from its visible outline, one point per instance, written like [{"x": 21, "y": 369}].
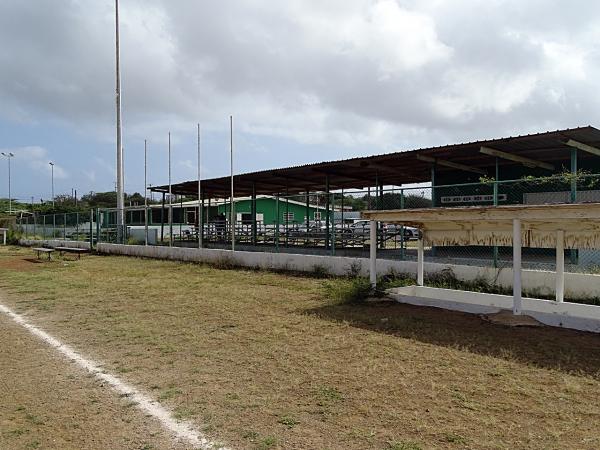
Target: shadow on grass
[{"x": 569, "y": 351}]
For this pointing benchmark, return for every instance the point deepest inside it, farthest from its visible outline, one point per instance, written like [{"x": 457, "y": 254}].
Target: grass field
[{"x": 259, "y": 360}]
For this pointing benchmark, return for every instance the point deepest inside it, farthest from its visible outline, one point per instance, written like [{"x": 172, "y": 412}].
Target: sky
[{"x": 305, "y": 81}]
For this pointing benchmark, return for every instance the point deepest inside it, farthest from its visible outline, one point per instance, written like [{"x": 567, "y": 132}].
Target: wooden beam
[
  {"x": 528, "y": 162},
  {"x": 453, "y": 165},
  {"x": 584, "y": 147}
]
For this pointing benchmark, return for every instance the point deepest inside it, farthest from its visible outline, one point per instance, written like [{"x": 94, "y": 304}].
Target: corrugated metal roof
[{"x": 395, "y": 168}]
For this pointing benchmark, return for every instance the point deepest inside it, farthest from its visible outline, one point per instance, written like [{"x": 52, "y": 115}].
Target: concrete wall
[
  {"x": 54, "y": 243},
  {"x": 539, "y": 282},
  {"x": 567, "y": 315}
]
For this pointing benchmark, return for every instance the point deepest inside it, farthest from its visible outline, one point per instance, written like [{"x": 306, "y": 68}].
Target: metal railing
[{"x": 330, "y": 223}]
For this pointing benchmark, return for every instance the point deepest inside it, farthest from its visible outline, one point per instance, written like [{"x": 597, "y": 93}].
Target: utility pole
[
  {"x": 120, "y": 194},
  {"x": 52, "y": 168},
  {"x": 8, "y": 156}
]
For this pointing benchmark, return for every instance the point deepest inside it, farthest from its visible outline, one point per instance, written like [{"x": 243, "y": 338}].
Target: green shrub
[
  {"x": 319, "y": 271},
  {"x": 355, "y": 290},
  {"x": 13, "y": 236}
]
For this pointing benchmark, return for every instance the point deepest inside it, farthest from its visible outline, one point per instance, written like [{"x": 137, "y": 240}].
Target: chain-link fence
[
  {"x": 75, "y": 226},
  {"x": 329, "y": 223}
]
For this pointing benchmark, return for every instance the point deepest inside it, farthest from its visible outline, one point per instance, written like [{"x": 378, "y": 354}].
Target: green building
[{"x": 268, "y": 208}]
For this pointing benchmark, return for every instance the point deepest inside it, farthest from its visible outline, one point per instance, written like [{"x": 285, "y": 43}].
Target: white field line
[{"x": 182, "y": 430}]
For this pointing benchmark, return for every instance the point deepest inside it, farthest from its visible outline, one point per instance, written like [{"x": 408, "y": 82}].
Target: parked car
[{"x": 409, "y": 232}]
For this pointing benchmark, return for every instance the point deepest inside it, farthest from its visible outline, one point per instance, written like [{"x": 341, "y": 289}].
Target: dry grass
[
  {"x": 47, "y": 403},
  {"x": 262, "y": 360}
]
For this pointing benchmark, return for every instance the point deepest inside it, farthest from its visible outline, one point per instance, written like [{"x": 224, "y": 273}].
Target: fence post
[
  {"x": 65, "y": 227},
  {"x": 277, "y": 224},
  {"x": 98, "y": 218},
  {"x": 91, "y": 229},
  {"x": 333, "y": 228},
  {"x": 43, "y": 226}
]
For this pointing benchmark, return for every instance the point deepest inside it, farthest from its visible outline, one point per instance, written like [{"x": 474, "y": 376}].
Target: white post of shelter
[
  {"x": 517, "y": 291},
  {"x": 560, "y": 265},
  {"x": 373, "y": 252},
  {"x": 420, "y": 260}
]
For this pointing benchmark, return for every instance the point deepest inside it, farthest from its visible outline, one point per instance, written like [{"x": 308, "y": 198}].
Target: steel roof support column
[
  {"x": 496, "y": 179},
  {"x": 402, "y": 243},
  {"x": 287, "y": 215},
  {"x": 573, "y": 252},
  {"x": 307, "y": 211},
  {"x": 277, "y": 212},
  {"x": 162, "y": 219},
  {"x": 433, "y": 199},
  {"x": 201, "y": 222},
  {"x": 342, "y": 221}
]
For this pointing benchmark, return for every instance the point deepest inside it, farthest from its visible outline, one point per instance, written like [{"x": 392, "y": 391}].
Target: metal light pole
[
  {"x": 231, "y": 170},
  {"x": 52, "y": 168},
  {"x": 170, "y": 198},
  {"x": 120, "y": 193},
  {"x": 200, "y": 200},
  {"x": 146, "y": 191},
  {"x": 9, "y": 155}
]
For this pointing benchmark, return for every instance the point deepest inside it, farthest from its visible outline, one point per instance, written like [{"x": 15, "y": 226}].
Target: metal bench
[
  {"x": 41, "y": 250},
  {"x": 77, "y": 251}
]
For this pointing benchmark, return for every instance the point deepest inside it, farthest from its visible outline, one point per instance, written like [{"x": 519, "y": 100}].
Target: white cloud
[
  {"x": 354, "y": 74},
  {"x": 37, "y": 159}
]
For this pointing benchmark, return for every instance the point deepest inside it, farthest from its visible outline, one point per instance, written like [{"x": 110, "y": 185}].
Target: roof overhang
[
  {"x": 493, "y": 225},
  {"x": 399, "y": 168}
]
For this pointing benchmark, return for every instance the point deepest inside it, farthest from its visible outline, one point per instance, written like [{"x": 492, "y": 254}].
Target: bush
[
  {"x": 319, "y": 271},
  {"x": 352, "y": 291},
  {"x": 13, "y": 236}
]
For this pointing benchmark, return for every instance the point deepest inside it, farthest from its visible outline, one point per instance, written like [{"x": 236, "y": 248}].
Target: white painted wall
[
  {"x": 549, "y": 312},
  {"x": 54, "y": 243},
  {"x": 542, "y": 282}
]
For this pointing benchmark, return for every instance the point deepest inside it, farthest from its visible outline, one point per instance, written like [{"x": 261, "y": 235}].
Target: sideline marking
[{"x": 182, "y": 430}]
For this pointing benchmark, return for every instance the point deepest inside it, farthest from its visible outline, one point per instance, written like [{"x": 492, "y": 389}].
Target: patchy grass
[{"x": 265, "y": 360}]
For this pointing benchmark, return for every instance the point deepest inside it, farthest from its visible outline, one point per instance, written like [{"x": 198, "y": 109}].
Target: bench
[
  {"x": 77, "y": 251},
  {"x": 41, "y": 250}
]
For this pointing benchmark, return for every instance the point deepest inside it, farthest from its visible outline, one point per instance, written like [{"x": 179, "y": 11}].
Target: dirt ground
[{"x": 261, "y": 360}]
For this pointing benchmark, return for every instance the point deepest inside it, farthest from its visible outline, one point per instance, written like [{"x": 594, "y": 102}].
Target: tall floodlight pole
[
  {"x": 146, "y": 191},
  {"x": 170, "y": 198},
  {"x": 8, "y": 156},
  {"x": 52, "y": 169},
  {"x": 231, "y": 170},
  {"x": 120, "y": 194},
  {"x": 200, "y": 211}
]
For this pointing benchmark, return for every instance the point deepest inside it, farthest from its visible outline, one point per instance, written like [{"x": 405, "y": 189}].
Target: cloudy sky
[{"x": 306, "y": 81}]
